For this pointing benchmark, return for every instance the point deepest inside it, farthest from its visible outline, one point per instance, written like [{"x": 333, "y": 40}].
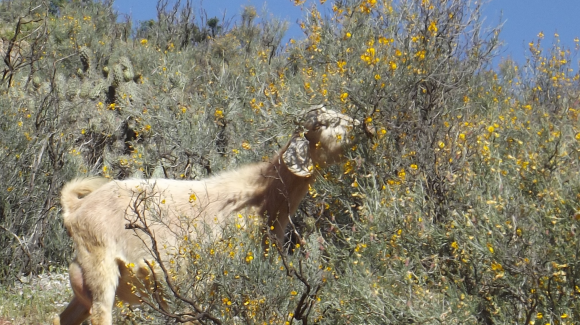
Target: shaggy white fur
[{"x": 106, "y": 219}]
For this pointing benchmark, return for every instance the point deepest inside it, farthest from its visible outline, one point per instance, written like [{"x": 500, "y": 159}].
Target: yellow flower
[
  {"x": 421, "y": 54},
  {"x": 490, "y": 129},
  {"x": 246, "y": 145},
  {"x": 490, "y": 247},
  {"x": 402, "y": 174},
  {"x": 414, "y": 167},
  {"x": 343, "y": 97},
  {"x": 393, "y": 65},
  {"x": 377, "y": 76},
  {"x": 348, "y": 167},
  {"x": 192, "y": 198},
  {"x": 454, "y": 245},
  {"x": 441, "y": 144},
  {"x": 348, "y": 35},
  {"x": 496, "y": 266},
  {"x": 143, "y": 41},
  {"x": 219, "y": 114},
  {"x": 432, "y": 27},
  {"x": 293, "y": 293}
]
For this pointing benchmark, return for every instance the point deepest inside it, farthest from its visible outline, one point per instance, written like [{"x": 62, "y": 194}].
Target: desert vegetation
[{"x": 457, "y": 204}]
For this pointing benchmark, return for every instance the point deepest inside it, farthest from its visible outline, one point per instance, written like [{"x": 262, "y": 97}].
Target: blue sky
[{"x": 523, "y": 19}]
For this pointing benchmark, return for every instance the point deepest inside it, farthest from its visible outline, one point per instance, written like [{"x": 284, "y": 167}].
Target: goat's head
[{"x": 327, "y": 132}]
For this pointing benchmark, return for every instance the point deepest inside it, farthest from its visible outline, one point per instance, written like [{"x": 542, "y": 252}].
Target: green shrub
[{"x": 459, "y": 203}]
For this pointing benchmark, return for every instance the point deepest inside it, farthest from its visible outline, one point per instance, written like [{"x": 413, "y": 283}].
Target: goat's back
[{"x": 115, "y": 215}]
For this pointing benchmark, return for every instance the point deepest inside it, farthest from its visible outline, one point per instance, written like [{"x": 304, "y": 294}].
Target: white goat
[{"x": 102, "y": 216}]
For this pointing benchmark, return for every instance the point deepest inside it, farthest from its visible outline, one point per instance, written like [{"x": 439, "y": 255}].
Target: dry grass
[{"x": 34, "y": 300}]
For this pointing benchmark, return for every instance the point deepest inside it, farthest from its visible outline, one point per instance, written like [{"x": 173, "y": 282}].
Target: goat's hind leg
[
  {"x": 74, "y": 314},
  {"x": 79, "y": 308}
]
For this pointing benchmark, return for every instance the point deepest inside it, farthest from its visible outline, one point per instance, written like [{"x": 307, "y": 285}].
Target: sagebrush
[{"x": 461, "y": 205}]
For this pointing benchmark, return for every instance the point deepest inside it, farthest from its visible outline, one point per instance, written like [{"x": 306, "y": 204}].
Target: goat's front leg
[
  {"x": 102, "y": 309},
  {"x": 276, "y": 230},
  {"x": 102, "y": 279}
]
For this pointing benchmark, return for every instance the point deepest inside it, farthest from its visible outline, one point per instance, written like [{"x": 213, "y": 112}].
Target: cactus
[
  {"x": 85, "y": 54},
  {"x": 86, "y": 88},
  {"x": 59, "y": 85},
  {"x": 98, "y": 89},
  {"x": 105, "y": 71},
  {"x": 72, "y": 89},
  {"x": 36, "y": 82},
  {"x": 117, "y": 75},
  {"x": 128, "y": 91},
  {"x": 127, "y": 75},
  {"x": 127, "y": 66},
  {"x": 137, "y": 78},
  {"x": 31, "y": 103},
  {"x": 44, "y": 88}
]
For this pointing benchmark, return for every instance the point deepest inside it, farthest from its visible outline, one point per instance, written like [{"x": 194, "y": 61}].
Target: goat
[{"x": 111, "y": 250}]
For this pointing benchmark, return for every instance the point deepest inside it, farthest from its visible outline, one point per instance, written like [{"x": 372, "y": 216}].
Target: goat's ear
[{"x": 297, "y": 157}]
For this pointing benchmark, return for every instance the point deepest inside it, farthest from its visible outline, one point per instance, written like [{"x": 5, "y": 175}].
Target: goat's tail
[{"x": 74, "y": 191}]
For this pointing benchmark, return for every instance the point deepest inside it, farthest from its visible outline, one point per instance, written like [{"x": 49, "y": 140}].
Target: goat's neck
[{"x": 283, "y": 189}]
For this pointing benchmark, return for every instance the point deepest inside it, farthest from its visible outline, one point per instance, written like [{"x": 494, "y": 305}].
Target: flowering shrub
[{"x": 459, "y": 204}]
